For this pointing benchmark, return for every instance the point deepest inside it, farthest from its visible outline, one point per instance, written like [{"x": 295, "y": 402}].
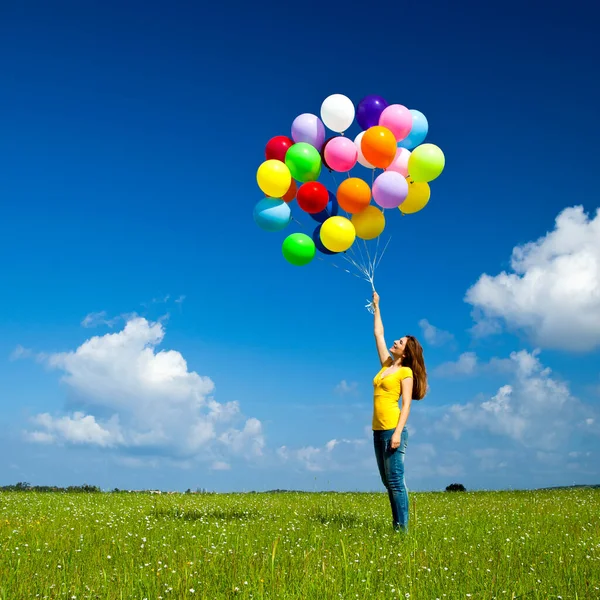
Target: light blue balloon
[
  {"x": 272, "y": 214},
  {"x": 418, "y": 133}
]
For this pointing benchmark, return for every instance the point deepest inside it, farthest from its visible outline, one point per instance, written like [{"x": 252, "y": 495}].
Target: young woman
[{"x": 402, "y": 375}]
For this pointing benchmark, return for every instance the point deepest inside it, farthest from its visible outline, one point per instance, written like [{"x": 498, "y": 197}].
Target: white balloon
[
  {"x": 337, "y": 112},
  {"x": 361, "y": 159}
]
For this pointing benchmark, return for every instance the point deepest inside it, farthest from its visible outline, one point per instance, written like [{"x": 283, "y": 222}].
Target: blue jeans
[{"x": 391, "y": 469}]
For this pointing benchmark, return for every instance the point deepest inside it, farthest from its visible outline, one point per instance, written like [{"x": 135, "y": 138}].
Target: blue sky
[{"x": 153, "y": 336}]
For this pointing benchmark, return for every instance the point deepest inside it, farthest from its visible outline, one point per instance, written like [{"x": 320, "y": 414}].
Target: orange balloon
[
  {"x": 378, "y": 146},
  {"x": 291, "y": 193},
  {"x": 354, "y": 195}
]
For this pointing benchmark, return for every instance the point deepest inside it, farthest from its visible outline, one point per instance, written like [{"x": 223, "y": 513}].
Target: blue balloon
[
  {"x": 316, "y": 236},
  {"x": 418, "y": 133},
  {"x": 272, "y": 214},
  {"x": 331, "y": 210}
]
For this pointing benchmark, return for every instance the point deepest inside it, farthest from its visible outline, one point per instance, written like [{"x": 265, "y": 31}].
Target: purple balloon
[
  {"x": 310, "y": 129},
  {"x": 369, "y": 110},
  {"x": 390, "y": 189}
]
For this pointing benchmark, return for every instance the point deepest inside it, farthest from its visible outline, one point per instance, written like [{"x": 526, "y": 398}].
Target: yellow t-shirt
[{"x": 388, "y": 390}]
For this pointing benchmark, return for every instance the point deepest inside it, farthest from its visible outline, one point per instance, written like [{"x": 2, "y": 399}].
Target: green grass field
[{"x": 542, "y": 544}]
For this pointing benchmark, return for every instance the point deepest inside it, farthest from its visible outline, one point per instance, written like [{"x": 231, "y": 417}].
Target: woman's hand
[
  {"x": 375, "y": 299},
  {"x": 395, "y": 441}
]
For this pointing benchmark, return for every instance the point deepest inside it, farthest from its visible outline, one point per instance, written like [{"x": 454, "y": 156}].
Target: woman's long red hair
[{"x": 413, "y": 358}]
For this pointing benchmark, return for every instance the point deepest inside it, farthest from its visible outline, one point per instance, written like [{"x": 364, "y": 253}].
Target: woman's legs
[
  {"x": 391, "y": 469},
  {"x": 394, "y": 465}
]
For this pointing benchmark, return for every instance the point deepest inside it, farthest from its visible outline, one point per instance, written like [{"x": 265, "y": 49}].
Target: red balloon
[
  {"x": 312, "y": 197},
  {"x": 291, "y": 193},
  {"x": 277, "y": 147}
]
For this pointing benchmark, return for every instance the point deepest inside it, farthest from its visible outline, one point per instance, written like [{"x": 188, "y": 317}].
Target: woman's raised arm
[{"x": 382, "y": 348}]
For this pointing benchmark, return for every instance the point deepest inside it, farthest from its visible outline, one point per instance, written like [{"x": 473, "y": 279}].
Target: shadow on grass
[
  {"x": 346, "y": 520},
  {"x": 220, "y": 514}
]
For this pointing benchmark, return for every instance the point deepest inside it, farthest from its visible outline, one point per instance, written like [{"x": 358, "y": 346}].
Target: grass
[{"x": 480, "y": 545}]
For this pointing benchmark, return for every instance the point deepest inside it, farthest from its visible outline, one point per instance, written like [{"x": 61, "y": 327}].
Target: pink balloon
[
  {"x": 341, "y": 154},
  {"x": 400, "y": 162},
  {"x": 398, "y": 119}
]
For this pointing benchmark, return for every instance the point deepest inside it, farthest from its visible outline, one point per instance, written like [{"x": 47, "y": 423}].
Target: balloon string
[
  {"x": 368, "y": 276},
  {"x": 338, "y": 267},
  {"x": 333, "y": 177},
  {"x": 365, "y": 266},
  {"x": 370, "y": 263},
  {"x": 376, "y": 251},
  {"x": 365, "y": 275},
  {"x": 362, "y": 258},
  {"x": 384, "y": 249},
  {"x": 332, "y": 263},
  {"x": 357, "y": 265}
]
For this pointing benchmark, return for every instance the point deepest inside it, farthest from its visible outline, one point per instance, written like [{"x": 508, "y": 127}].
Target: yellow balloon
[
  {"x": 369, "y": 223},
  {"x": 418, "y": 196},
  {"x": 274, "y": 178},
  {"x": 337, "y": 234}
]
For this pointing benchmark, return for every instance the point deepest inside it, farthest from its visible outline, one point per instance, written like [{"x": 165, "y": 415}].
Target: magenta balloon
[
  {"x": 341, "y": 154},
  {"x": 310, "y": 129},
  {"x": 390, "y": 189},
  {"x": 398, "y": 119}
]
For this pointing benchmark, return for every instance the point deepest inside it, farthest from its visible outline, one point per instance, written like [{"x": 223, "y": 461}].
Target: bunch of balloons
[{"x": 389, "y": 145}]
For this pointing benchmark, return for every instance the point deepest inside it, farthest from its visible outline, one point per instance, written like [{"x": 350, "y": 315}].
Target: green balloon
[
  {"x": 426, "y": 162},
  {"x": 304, "y": 162},
  {"x": 298, "y": 249}
]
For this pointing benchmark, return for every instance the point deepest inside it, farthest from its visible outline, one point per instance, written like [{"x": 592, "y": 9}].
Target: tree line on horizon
[{"x": 23, "y": 486}]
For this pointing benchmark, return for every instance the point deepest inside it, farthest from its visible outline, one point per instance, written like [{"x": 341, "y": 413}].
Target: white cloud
[
  {"x": 249, "y": 440},
  {"x": 220, "y": 465},
  {"x": 356, "y": 455},
  {"x": 343, "y": 387},
  {"x": 426, "y": 461},
  {"x": 485, "y": 326},
  {"x": 78, "y": 429},
  {"x": 40, "y": 437},
  {"x": 335, "y": 455},
  {"x": 20, "y": 353},
  {"x": 553, "y": 291},
  {"x": 433, "y": 335},
  {"x": 158, "y": 300},
  {"x": 503, "y": 439},
  {"x": 535, "y": 409},
  {"x": 465, "y": 365},
  {"x": 576, "y": 454},
  {"x": 468, "y": 363},
  {"x": 96, "y": 319},
  {"x": 135, "y": 396}
]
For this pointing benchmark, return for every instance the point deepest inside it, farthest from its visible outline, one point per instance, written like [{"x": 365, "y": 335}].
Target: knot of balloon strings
[{"x": 369, "y": 305}]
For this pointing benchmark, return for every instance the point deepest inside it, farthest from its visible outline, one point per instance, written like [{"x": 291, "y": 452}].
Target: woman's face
[{"x": 398, "y": 347}]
